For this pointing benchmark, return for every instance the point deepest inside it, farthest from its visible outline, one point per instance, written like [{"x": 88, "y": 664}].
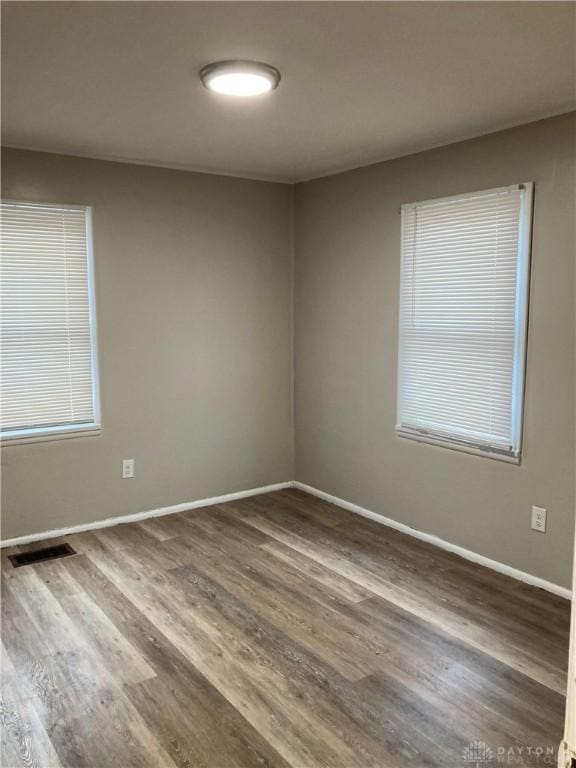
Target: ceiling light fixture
[{"x": 240, "y": 78}]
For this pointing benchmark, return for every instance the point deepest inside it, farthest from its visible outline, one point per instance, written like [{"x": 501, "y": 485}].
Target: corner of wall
[{"x": 292, "y": 256}]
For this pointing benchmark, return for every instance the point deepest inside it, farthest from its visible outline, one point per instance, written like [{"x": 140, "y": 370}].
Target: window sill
[
  {"x": 49, "y": 435},
  {"x": 455, "y": 446}
]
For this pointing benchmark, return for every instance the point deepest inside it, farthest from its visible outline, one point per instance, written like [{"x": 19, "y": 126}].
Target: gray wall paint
[
  {"x": 193, "y": 278},
  {"x": 193, "y": 291},
  {"x": 346, "y": 294}
]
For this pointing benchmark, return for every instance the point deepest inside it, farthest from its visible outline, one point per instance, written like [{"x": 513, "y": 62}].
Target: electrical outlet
[
  {"x": 539, "y": 519},
  {"x": 127, "y": 468}
]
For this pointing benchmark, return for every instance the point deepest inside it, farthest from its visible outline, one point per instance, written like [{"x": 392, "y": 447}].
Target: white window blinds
[
  {"x": 48, "y": 373},
  {"x": 463, "y": 313}
]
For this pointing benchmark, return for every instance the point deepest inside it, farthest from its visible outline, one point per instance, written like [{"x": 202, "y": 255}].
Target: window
[
  {"x": 463, "y": 320},
  {"x": 48, "y": 373}
]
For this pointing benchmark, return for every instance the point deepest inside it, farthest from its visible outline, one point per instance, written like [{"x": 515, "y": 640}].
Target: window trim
[
  {"x": 69, "y": 430},
  {"x": 455, "y": 445},
  {"x": 513, "y": 456},
  {"x": 49, "y": 434}
]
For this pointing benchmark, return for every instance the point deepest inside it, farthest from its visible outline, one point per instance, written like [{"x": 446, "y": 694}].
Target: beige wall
[
  {"x": 193, "y": 279},
  {"x": 346, "y": 308},
  {"x": 194, "y": 321}
]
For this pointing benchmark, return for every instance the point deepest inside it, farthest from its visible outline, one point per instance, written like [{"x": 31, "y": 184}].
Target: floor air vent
[{"x": 38, "y": 555}]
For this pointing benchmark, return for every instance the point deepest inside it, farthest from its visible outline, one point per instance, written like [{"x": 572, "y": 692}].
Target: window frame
[
  {"x": 82, "y": 429},
  {"x": 522, "y": 306}
]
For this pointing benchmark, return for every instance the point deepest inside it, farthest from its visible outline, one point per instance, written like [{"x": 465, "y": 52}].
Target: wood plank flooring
[{"x": 272, "y": 632}]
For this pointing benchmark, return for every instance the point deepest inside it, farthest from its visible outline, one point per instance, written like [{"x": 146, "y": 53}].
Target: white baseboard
[
  {"x": 138, "y": 516},
  {"x": 428, "y": 537},
  {"x": 467, "y": 554}
]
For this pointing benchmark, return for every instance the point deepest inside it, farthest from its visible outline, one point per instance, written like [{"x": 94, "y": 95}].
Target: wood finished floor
[{"x": 271, "y": 632}]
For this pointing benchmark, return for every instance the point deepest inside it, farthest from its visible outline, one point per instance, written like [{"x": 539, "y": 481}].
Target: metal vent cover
[{"x": 39, "y": 555}]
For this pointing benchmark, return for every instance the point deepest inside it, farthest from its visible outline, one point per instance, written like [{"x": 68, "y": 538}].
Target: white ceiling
[{"x": 361, "y": 81}]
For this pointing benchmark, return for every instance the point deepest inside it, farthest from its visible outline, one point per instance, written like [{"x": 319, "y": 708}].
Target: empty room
[{"x": 288, "y": 384}]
